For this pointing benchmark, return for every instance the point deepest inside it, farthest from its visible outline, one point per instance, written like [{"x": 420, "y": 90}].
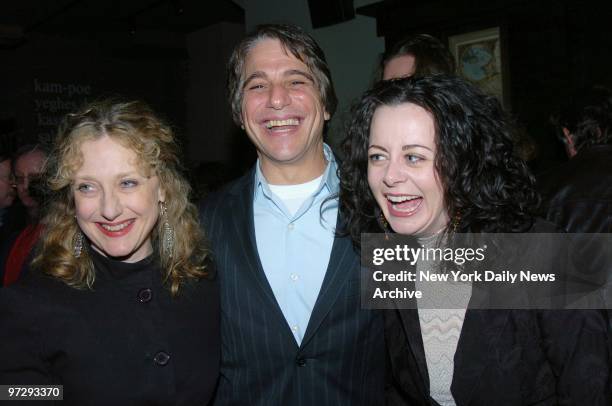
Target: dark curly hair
[
  {"x": 587, "y": 116},
  {"x": 487, "y": 187}
]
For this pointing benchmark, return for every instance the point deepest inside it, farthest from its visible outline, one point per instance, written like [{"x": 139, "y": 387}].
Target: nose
[
  {"x": 279, "y": 97},
  {"x": 394, "y": 174},
  {"x": 111, "y": 206}
]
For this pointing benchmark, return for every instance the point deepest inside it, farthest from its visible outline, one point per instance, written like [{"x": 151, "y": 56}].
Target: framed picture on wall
[{"x": 479, "y": 59}]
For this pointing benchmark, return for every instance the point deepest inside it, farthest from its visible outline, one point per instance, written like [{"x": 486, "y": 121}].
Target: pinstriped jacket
[{"x": 341, "y": 358}]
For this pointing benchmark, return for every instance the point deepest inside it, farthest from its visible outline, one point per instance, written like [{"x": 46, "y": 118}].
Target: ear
[
  {"x": 570, "y": 148},
  {"x": 161, "y": 195},
  {"x": 326, "y": 115}
]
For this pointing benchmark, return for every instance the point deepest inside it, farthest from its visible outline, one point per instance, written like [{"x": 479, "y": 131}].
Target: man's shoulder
[
  {"x": 221, "y": 203},
  {"x": 585, "y": 176},
  {"x": 233, "y": 189}
]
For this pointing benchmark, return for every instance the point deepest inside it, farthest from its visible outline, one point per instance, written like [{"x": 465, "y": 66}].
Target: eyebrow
[
  {"x": 377, "y": 146},
  {"x": 409, "y": 146},
  {"x": 290, "y": 72},
  {"x": 119, "y": 176},
  {"x": 404, "y": 148},
  {"x": 253, "y": 76}
]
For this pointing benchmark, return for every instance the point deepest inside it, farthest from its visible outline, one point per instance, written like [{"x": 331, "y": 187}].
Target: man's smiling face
[{"x": 282, "y": 111}]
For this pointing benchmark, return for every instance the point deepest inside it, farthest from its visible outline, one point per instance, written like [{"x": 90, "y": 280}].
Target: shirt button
[
  {"x": 145, "y": 295},
  {"x": 291, "y": 226},
  {"x": 161, "y": 358},
  {"x": 294, "y": 277},
  {"x": 300, "y": 361},
  {"x": 294, "y": 328}
]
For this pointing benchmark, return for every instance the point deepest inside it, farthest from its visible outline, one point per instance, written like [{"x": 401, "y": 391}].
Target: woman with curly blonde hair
[{"x": 121, "y": 305}]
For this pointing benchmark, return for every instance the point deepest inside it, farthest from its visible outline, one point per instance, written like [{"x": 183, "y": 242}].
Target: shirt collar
[{"x": 330, "y": 177}]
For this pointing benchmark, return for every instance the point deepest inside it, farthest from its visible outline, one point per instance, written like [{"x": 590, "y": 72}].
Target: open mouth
[
  {"x": 403, "y": 205},
  {"x": 116, "y": 229},
  {"x": 282, "y": 125}
]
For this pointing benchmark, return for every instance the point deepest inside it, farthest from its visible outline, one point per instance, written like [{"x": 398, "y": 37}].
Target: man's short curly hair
[{"x": 482, "y": 178}]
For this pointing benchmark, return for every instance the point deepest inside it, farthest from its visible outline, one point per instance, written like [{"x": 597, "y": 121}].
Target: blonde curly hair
[{"x": 135, "y": 126}]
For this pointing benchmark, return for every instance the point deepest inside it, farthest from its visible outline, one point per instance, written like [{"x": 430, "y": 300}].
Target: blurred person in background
[
  {"x": 578, "y": 195},
  {"x": 417, "y": 55},
  {"x": 16, "y": 248},
  {"x": 29, "y": 161}
]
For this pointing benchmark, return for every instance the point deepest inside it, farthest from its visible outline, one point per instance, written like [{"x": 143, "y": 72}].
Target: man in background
[
  {"x": 29, "y": 161},
  {"x": 7, "y": 192},
  {"x": 577, "y": 196},
  {"x": 418, "y": 55},
  {"x": 16, "y": 248}
]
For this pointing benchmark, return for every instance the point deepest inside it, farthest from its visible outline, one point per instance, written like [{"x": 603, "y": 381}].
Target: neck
[
  {"x": 293, "y": 173},
  {"x": 430, "y": 239}
]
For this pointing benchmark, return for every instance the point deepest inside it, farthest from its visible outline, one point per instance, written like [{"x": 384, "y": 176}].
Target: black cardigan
[{"x": 126, "y": 342}]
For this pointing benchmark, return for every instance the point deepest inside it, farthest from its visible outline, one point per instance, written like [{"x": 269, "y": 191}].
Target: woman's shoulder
[{"x": 37, "y": 293}]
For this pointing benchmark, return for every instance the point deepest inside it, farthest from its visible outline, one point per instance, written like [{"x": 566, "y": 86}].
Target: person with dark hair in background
[
  {"x": 121, "y": 305},
  {"x": 578, "y": 195},
  {"x": 292, "y": 326},
  {"x": 16, "y": 248},
  {"x": 417, "y": 55},
  {"x": 28, "y": 164},
  {"x": 7, "y": 191},
  {"x": 432, "y": 157}
]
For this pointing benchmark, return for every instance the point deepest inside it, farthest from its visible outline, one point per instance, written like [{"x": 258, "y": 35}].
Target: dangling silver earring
[
  {"x": 168, "y": 232},
  {"x": 77, "y": 244}
]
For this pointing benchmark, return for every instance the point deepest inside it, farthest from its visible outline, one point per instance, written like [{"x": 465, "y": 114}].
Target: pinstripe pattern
[{"x": 343, "y": 346}]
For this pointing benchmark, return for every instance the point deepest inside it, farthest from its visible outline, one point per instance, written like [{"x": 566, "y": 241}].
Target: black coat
[
  {"x": 508, "y": 357},
  {"x": 126, "y": 342},
  {"x": 340, "y": 361},
  {"x": 578, "y": 194}
]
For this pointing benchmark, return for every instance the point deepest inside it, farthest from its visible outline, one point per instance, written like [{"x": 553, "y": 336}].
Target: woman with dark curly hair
[
  {"x": 121, "y": 306},
  {"x": 432, "y": 156}
]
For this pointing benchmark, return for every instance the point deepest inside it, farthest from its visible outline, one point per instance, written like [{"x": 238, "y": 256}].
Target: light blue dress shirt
[{"x": 294, "y": 249}]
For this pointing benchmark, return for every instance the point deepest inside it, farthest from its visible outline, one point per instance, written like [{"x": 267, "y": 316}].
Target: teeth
[
  {"x": 401, "y": 199},
  {"x": 280, "y": 123},
  {"x": 117, "y": 227}
]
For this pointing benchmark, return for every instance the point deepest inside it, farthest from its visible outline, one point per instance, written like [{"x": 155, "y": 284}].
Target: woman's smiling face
[
  {"x": 401, "y": 170},
  {"x": 117, "y": 205}
]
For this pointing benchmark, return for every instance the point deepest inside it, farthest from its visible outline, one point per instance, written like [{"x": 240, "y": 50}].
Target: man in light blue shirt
[
  {"x": 287, "y": 239},
  {"x": 293, "y": 330}
]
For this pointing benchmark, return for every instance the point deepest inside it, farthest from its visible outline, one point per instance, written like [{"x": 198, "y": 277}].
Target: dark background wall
[
  {"x": 551, "y": 48},
  {"x": 172, "y": 53}
]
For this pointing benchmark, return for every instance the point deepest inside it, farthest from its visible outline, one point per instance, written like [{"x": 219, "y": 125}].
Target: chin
[
  {"x": 405, "y": 229},
  {"x": 116, "y": 251}
]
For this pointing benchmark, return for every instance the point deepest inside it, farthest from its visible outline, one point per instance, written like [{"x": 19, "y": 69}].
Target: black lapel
[
  {"x": 478, "y": 341},
  {"x": 241, "y": 205},
  {"x": 412, "y": 329},
  {"x": 342, "y": 261}
]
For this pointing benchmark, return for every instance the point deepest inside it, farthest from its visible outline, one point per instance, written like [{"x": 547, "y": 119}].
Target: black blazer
[
  {"x": 126, "y": 342},
  {"x": 508, "y": 357},
  {"x": 341, "y": 358}
]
